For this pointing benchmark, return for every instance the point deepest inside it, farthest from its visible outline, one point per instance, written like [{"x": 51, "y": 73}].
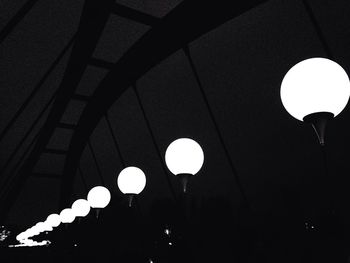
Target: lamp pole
[{"x": 315, "y": 91}]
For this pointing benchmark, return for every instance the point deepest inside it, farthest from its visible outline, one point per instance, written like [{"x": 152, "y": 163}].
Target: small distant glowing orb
[
  {"x": 47, "y": 227},
  {"x": 20, "y": 236}
]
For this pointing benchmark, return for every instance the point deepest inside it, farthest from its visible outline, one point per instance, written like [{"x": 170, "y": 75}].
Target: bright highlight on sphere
[
  {"x": 131, "y": 180},
  {"x": 315, "y": 85},
  {"x": 184, "y": 156},
  {"x": 81, "y": 207},
  {"x": 53, "y": 220},
  {"x": 99, "y": 197},
  {"x": 67, "y": 215}
]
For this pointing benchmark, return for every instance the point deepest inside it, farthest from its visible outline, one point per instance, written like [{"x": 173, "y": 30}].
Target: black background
[{"x": 293, "y": 212}]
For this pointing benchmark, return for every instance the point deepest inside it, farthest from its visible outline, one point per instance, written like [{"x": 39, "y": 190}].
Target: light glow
[
  {"x": 81, "y": 207},
  {"x": 99, "y": 197},
  {"x": 315, "y": 85},
  {"x": 53, "y": 220},
  {"x": 67, "y": 215},
  {"x": 131, "y": 180},
  {"x": 184, "y": 156}
]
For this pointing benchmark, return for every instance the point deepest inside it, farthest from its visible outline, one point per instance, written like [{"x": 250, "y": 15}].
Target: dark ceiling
[{"x": 89, "y": 87}]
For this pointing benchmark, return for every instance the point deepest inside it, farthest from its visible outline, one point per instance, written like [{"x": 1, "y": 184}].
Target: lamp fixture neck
[
  {"x": 319, "y": 121},
  {"x": 130, "y": 198},
  {"x": 184, "y": 180}
]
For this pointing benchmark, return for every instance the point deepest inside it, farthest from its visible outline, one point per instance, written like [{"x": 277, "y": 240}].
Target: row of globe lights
[
  {"x": 80, "y": 208},
  {"x": 314, "y": 91},
  {"x": 184, "y": 157},
  {"x": 38, "y": 228}
]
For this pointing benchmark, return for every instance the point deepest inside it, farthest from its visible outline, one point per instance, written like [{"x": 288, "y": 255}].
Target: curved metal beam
[
  {"x": 93, "y": 20},
  {"x": 184, "y": 24},
  {"x": 22, "y": 12}
]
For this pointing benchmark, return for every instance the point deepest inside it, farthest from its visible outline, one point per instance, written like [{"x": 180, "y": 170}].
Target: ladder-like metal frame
[
  {"x": 169, "y": 34},
  {"x": 94, "y": 17}
]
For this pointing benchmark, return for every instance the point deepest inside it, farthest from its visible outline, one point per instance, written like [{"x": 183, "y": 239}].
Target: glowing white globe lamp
[
  {"x": 40, "y": 227},
  {"x": 81, "y": 208},
  {"x": 47, "y": 227},
  {"x": 99, "y": 197},
  {"x": 131, "y": 181},
  {"x": 315, "y": 85},
  {"x": 314, "y": 91},
  {"x": 21, "y": 236},
  {"x": 33, "y": 231},
  {"x": 24, "y": 235},
  {"x": 27, "y": 233},
  {"x": 67, "y": 216},
  {"x": 184, "y": 157},
  {"x": 53, "y": 220}
]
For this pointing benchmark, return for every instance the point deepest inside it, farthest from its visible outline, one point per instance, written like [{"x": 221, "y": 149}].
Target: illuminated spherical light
[
  {"x": 67, "y": 215},
  {"x": 26, "y": 234},
  {"x": 20, "y": 236},
  {"x": 47, "y": 227},
  {"x": 53, "y": 220},
  {"x": 33, "y": 231},
  {"x": 40, "y": 227},
  {"x": 24, "y": 237},
  {"x": 184, "y": 156},
  {"x": 81, "y": 207},
  {"x": 315, "y": 85},
  {"x": 43, "y": 226},
  {"x": 99, "y": 197},
  {"x": 131, "y": 180}
]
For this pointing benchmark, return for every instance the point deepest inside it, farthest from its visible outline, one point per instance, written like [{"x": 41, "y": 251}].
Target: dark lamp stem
[
  {"x": 130, "y": 199},
  {"x": 97, "y": 212},
  {"x": 319, "y": 121},
  {"x": 184, "y": 181}
]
